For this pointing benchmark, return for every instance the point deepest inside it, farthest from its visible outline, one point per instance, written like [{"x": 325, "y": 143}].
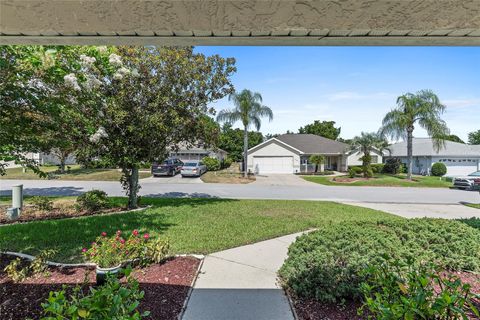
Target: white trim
[{"x": 275, "y": 139}]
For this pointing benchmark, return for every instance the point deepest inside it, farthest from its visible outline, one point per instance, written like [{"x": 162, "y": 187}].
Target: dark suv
[{"x": 169, "y": 167}]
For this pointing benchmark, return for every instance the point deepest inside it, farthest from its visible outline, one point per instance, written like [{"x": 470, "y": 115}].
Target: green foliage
[
  {"x": 19, "y": 270},
  {"x": 377, "y": 167},
  {"x": 227, "y": 163},
  {"x": 393, "y": 166},
  {"x": 317, "y": 160},
  {"x": 327, "y": 264},
  {"x": 42, "y": 203},
  {"x": 113, "y": 300},
  {"x": 423, "y": 108},
  {"x": 324, "y": 129},
  {"x": 474, "y": 137},
  {"x": 213, "y": 164},
  {"x": 439, "y": 169},
  {"x": 408, "y": 290},
  {"x": 92, "y": 201},
  {"x": 472, "y": 222},
  {"x": 454, "y": 138},
  {"x": 351, "y": 173},
  {"x": 368, "y": 142},
  {"x": 108, "y": 252},
  {"x": 231, "y": 140}
]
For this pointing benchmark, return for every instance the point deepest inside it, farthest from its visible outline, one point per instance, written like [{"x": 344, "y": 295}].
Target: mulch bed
[
  {"x": 165, "y": 285},
  {"x": 31, "y": 214},
  {"x": 309, "y": 309}
]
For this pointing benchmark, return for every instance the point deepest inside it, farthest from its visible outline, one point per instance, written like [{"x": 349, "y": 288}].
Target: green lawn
[
  {"x": 192, "y": 225},
  {"x": 473, "y": 205},
  {"x": 386, "y": 181},
  {"x": 75, "y": 173}
]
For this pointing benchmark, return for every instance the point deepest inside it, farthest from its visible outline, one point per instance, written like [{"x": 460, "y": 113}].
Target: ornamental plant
[{"x": 110, "y": 251}]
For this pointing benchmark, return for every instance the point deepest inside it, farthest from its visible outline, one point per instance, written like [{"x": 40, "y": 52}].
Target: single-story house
[
  {"x": 290, "y": 153},
  {"x": 197, "y": 152},
  {"x": 459, "y": 158}
]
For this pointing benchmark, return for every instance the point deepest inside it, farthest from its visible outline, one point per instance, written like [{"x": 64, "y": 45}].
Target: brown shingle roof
[{"x": 313, "y": 144}]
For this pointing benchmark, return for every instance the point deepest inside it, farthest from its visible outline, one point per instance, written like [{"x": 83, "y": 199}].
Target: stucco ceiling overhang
[{"x": 229, "y": 22}]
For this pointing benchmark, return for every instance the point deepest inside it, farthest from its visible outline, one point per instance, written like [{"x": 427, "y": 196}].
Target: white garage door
[
  {"x": 460, "y": 168},
  {"x": 265, "y": 165}
]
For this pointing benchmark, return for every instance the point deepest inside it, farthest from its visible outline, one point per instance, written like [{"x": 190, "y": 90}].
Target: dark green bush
[
  {"x": 226, "y": 163},
  {"x": 356, "y": 169},
  {"x": 377, "y": 167},
  {"x": 327, "y": 264},
  {"x": 393, "y": 166},
  {"x": 439, "y": 169},
  {"x": 113, "y": 300},
  {"x": 42, "y": 203},
  {"x": 396, "y": 290},
  {"x": 212, "y": 164},
  {"x": 92, "y": 201}
]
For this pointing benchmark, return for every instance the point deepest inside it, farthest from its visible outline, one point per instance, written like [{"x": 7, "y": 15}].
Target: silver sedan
[{"x": 193, "y": 169}]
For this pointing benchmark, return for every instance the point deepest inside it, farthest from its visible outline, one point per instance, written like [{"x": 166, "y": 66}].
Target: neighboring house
[
  {"x": 459, "y": 158},
  {"x": 197, "y": 152},
  {"x": 289, "y": 153}
]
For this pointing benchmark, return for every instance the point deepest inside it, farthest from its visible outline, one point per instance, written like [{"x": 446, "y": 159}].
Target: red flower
[
  {"x": 146, "y": 236},
  {"x": 135, "y": 232},
  {"x": 104, "y": 234},
  {"x": 119, "y": 232},
  {"x": 84, "y": 250},
  {"x": 122, "y": 241}
]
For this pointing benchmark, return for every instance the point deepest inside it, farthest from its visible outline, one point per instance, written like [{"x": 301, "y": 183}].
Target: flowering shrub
[
  {"x": 113, "y": 300},
  {"x": 111, "y": 251}
]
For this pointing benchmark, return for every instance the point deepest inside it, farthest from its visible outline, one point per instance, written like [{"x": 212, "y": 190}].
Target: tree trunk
[
  {"x": 245, "y": 152},
  {"x": 130, "y": 185},
  {"x": 63, "y": 158},
  {"x": 409, "y": 152}
]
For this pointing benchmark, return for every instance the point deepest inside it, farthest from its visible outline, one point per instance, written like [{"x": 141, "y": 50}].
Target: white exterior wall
[
  {"x": 456, "y": 166},
  {"x": 354, "y": 158},
  {"x": 274, "y": 149}
]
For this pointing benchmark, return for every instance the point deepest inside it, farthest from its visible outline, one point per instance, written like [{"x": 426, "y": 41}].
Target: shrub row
[{"x": 327, "y": 264}]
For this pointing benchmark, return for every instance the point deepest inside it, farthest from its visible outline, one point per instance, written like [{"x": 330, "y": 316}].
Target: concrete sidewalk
[
  {"x": 417, "y": 210},
  {"x": 241, "y": 283}
]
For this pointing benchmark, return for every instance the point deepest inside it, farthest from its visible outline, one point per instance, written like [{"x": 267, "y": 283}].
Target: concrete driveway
[
  {"x": 172, "y": 180},
  {"x": 281, "y": 180}
]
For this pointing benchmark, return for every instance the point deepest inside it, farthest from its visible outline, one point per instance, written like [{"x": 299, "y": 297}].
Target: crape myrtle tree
[
  {"x": 423, "y": 108},
  {"x": 38, "y": 113},
  {"x": 148, "y": 100},
  {"x": 368, "y": 142},
  {"x": 248, "y": 110}
]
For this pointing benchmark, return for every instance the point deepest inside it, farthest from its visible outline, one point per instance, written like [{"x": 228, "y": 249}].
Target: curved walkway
[{"x": 241, "y": 284}]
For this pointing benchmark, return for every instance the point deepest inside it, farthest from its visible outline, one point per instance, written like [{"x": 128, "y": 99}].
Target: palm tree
[
  {"x": 423, "y": 108},
  {"x": 367, "y": 142},
  {"x": 248, "y": 109},
  {"x": 317, "y": 160}
]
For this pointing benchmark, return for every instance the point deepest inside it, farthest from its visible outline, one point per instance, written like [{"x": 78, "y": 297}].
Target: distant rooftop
[
  {"x": 425, "y": 147},
  {"x": 313, "y": 144}
]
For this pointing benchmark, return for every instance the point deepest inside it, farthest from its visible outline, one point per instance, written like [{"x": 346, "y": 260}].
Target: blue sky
[{"x": 355, "y": 86}]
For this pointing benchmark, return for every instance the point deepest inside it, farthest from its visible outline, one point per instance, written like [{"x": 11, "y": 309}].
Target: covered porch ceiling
[{"x": 237, "y": 22}]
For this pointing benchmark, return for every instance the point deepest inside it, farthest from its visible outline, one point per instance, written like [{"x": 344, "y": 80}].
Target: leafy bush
[
  {"x": 393, "y": 166},
  {"x": 396, "y": 290},
  {"x": 351, "y": 173},
  {"x": 110, "y": 301},
  {"x": 356, "y": 169},
  {"x": 19, "y": 270},
  {"x": 439, "y": 169},
  {"x": 92, "y": 201},
  {"x": 327, "y": 264},
  {"x": 227, "y": 163},
  {"x": 42, "y": 203},
  {"x": 377, "y": 167},
  {"x": 212, "y": 164},
  {"x": 111, "y": 251}
]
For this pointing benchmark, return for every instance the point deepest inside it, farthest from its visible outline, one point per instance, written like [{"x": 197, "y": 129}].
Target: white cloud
[
  {"x": 462, "y": 103},
  {"x": 352, "y": 96}
]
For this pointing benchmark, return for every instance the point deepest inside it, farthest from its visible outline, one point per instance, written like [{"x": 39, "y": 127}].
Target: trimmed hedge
[
  {"x": 326, "y": 264},
  {"x": 439, "y": 169}
]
